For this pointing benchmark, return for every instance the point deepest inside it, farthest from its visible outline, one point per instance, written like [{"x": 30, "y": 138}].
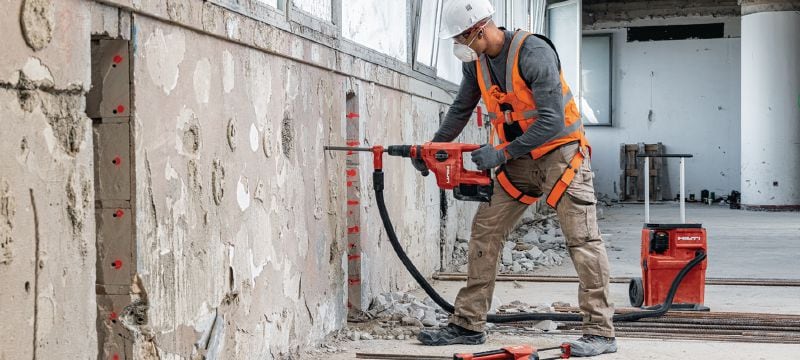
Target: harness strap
[
  {"x": 511, "y": 190},
  {"x": 566, "y": 178}
]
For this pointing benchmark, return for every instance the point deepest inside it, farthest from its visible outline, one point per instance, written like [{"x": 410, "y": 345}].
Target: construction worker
[{"x": 540, "y": 149}]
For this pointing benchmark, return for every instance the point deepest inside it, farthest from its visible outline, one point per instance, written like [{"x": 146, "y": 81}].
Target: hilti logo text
[
  {"x": 447, "y": 175},
  {"x": 689, "y": 238}
]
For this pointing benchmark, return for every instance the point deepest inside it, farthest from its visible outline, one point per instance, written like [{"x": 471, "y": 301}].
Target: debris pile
[{"x": 534, "y": 243}]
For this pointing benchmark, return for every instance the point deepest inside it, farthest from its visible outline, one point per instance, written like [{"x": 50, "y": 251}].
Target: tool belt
[{"x": 559, "y": 188}]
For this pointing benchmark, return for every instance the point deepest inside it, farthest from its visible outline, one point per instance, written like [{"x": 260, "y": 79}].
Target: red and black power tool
[
  {"x": 445, "y": 160},
  {"x": 517, "y": 352}
]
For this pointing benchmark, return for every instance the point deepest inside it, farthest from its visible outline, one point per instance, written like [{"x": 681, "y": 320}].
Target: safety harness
[{"x": 513, "y": 111}]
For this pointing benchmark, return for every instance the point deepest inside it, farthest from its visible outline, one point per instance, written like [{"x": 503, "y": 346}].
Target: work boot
[
  {"x": 452, "y": 334},
  {"x": 593, "y": 345}
]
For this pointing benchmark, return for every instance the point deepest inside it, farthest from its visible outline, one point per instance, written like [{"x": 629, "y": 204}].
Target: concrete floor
[{"x": 741, "y": 244}]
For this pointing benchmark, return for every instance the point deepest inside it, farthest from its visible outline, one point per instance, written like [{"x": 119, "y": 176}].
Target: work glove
[
  {"x": 487, "y": 157},
  {"x": 419, "y": 164}
]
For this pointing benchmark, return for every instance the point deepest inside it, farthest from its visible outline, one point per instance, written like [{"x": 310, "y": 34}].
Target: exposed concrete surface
[
  {"x": 597, "y": 12},
  {"x": 240, "y": 230},
  {"x": 47, "y": 252}
]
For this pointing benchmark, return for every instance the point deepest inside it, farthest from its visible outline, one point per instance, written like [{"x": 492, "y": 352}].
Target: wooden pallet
[{"x": 632, "y": 176}]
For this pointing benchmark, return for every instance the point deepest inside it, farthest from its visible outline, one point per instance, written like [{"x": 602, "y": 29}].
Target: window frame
[
  {"x": 429, "y": 70},
  {"x": 610, "y": 37}
]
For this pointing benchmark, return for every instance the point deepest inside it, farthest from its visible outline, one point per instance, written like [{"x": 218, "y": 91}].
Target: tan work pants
[{"x": 576, "y": 212}]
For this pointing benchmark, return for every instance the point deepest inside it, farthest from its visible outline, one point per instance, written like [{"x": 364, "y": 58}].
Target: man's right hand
[{"x": 419, "y": 164}]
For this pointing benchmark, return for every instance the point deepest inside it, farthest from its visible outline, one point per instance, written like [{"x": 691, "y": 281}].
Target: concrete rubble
[
  {"x": 401, "y": 316},
  {"x": 533, "y": 244}
]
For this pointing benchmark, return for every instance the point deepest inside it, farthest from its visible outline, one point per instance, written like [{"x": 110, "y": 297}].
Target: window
[
  {"x": 520, "y": 19},
  {"x": 564, "y": 29},
  {"x": 448, "y": 66},
  {"x": 377, "y": 24},
  {"x": 428, "y": 32},
  {"x": 499, "y": 16},
  {"x": 320, "y": 9},
  {"x": 596, "y": 79},
  {"x": 278, "y": 4}
]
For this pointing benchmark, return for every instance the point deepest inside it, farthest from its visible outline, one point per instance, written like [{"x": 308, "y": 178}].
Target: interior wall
[{"x": 682, "y": 93}]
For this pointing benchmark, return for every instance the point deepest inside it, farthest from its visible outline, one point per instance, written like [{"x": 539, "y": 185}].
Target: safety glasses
[{"x": 464, "y": 37}]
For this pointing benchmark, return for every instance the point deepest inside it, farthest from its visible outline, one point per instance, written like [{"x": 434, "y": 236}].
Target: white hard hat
[{"x": 460, "y": 15}]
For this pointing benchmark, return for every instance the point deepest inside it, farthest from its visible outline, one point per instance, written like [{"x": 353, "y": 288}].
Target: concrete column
[{"x": 770, "y": 105}]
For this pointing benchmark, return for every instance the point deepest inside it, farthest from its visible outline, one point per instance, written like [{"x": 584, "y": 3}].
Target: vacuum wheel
[{"x": 636, "y": 292}]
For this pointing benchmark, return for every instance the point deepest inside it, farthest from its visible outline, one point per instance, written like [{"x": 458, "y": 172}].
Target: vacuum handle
[{"x": 647, "y": 183}]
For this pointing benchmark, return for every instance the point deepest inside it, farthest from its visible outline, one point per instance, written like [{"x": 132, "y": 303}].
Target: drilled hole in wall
[
  {"x": 230, "y": 278},
  {"x": 287, "y": 136},
  {"x": 28, "y": 287},
  {"x": 774, "y": 183}
]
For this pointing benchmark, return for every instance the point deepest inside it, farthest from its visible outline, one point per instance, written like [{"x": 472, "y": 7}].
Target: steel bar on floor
[{"x": 452, "y": 276}]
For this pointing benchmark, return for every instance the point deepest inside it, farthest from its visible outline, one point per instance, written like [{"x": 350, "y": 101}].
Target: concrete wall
[
  {"x": 691, "y": 87},
  {"x": 47, "y": 252},
  {"x": 771, "y": 109},
  {"x": 241, "y": 231}
]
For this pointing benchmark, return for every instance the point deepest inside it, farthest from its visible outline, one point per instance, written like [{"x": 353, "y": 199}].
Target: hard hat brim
[{"x": 448, "y": 35}]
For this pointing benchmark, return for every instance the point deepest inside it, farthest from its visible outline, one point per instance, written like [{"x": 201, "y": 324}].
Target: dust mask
[{"x": 464, "y": 52}]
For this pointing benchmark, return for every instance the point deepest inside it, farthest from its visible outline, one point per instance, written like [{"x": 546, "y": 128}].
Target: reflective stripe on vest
[{"x": 519, "y": 98}]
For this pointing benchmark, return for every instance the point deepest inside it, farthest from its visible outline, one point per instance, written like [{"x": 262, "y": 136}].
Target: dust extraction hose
[{"x": 378, "y": 184}]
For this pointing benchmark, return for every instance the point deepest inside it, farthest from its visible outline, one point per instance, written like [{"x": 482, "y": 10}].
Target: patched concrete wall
[
  {"x": 47, "y": 226},
  {"x": 240, "y": 215}
]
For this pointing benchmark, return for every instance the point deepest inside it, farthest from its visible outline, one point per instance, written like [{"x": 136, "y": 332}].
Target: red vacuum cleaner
[{"x": 666, "y": 250}]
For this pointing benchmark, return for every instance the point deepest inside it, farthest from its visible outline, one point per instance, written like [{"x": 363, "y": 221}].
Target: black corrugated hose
[{"x": 378, "y": 184}]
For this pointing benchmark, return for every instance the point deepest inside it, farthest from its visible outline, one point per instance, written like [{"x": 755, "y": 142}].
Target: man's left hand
[{"x": 487, "y": 157}]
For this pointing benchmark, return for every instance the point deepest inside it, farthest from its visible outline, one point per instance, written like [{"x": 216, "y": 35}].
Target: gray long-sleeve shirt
[{"x": 538, "y": 66}]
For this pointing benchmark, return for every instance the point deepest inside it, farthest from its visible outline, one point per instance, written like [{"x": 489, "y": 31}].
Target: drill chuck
[{"x": 403, "y": 150}]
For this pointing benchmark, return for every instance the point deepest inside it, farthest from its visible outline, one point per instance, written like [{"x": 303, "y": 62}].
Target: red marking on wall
[
  {"x": 113, "y": 316},
  {"x": 353, "y": 257},
  {"x": 117, "y": 59},
  {"x": 118, "y": 214},
  {"x": 349, "y": 305},
  {"x": 350, "y": 212},
  {"x": 353, "y": 230},
  {"x": 349, "y": 183},
  {"x": 354, "y": 281},
  {"x": 117, "y": 264},
  {"x": 480, "y": 116},
  {"x": 352, "y": 172},
  {"x": 352, "y": 202},
  {"x": 120, "y": 109},
  {"x": 115, "y": 357},
  {"x": 351, "y": 116},
  {"x": 350, "y": 152},
  {"x": 117, "y": 161},
  {"x": 352, "y": 143},
  {"x": 351, "y": 245}
]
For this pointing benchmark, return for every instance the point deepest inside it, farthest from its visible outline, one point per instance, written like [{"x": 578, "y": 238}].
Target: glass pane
[
  {"x": 596, "y": 79},
  {"x": 377, "y": 24},
  {"x": 519, "y": 15},
  {"x": 273, "y": 3},
  {"x": 318, "y": 8},
  {"x": 499, "y": 16},
  {"x": 448, "y": 66},
  {"x": 564, "y": 29},
  {"x": 426, "y": 41}
]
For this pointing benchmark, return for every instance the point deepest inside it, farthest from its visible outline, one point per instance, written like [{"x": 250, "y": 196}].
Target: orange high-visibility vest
[{"x": 512, "y": 112}]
